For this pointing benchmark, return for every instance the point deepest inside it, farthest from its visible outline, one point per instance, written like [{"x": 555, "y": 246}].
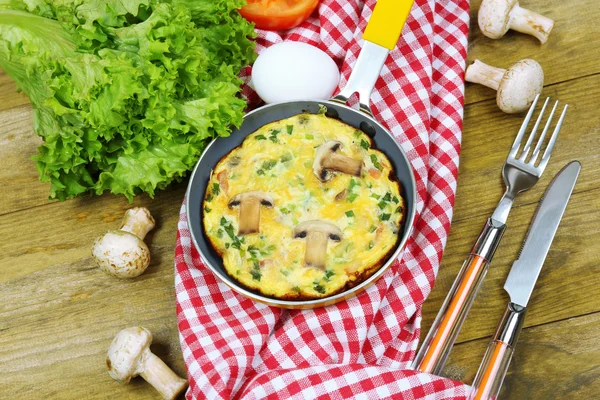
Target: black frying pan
[{"x": 362, "y": 81}]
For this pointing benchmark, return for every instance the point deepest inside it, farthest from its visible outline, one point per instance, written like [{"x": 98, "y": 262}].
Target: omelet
[{"x": 303, "y": 209}]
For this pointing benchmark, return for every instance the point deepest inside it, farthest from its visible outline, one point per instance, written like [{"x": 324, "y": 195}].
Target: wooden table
[{"x": 58, "y": 312}]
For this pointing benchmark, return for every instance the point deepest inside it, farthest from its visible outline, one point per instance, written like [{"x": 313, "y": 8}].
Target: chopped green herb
[
  {"x": 376, "y": 162},
  {"x": 220, "y": 233},
  {"x": 357, "y": 133},
  {"x": 260, "y": 172},
  {"x": 375, "y": 196},
  {"x": 371, "y": 244},
  {"x": 271, "y": 247},
  {"x": 268, "y": 165},
  {"x": 209, "y": 197},
  {"x": 286, "y": 157},
  {"x": 395, "y": 200},
  {"x": 322, "y": 109},
  {"x": 353, "y": 183},
  {"x": 253, "y": 248},
  {"x": 372, "y": 229},
  {"x": 260, "y": 137},
  {"x": 235, "y": 241},
  {"x": 350, "y": 213},
  {"x": 352, "y": 197},
  {"x": 318, "y": 288},
  {"x": 369, "y": 185},
  {"x": 387, "y": 197},
  {"x": 328, "y": 274},
  {"x": 284, "y": 272},
  {"x": 399, "y": 209},
  {"x": 381, "y": 204},
  {"x": 237, "y": 272},
  {"x": 385, "y": 217},
  {"x": 216, "y": 188},
  {"x": 309, "y": 136},
  {"x": 296, "y": 289},
  {"x": 284, "y": 210},
  {"x": 274, "y": 133},
  {"x": 364, "y": 144},
  {"x": 207, "y": 210},
  {"x": 290, "y": 129},
  {"x": 256, "y": 274},
  {"x": 295, "y": 220}
]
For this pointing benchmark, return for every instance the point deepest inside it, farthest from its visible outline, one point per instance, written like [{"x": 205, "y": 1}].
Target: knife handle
[
  {"x": 492, "y": 370},
  {"x": 442, "y": 335}
]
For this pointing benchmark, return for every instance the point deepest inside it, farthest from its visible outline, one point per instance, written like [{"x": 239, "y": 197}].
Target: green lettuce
[{"x": 125, "y": 93}]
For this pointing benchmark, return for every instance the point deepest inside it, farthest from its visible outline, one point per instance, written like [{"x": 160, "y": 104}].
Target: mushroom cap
[
  {"x": 123, "y": 355},
  {"x": 305, "y": 227},
  {"x": 330, "y": 146},
  {"x": 121, "y": 254},
  {"x": 520, "y": 84},
  {"x": 264, "y": 198},
  {"x": 494, "y": 17}
]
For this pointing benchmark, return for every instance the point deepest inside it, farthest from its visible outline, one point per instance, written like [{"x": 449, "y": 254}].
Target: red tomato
[{"x": 278, "y": 15}]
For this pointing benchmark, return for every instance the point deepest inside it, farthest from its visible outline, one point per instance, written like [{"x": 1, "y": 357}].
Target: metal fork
[{"x": 520, "y": 173}]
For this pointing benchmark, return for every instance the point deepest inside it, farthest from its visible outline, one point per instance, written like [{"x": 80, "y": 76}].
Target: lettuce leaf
[{"x": 126, "y": 93}]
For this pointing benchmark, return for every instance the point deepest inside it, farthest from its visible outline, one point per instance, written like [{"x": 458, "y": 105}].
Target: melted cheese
[{"x": 278, "y": 159}]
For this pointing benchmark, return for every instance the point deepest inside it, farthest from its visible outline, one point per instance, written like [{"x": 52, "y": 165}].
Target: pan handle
[{"x": 381, "y": 35}]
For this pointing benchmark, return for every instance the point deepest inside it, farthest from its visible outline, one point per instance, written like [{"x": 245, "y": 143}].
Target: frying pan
[{"x": 380, "y": 36}]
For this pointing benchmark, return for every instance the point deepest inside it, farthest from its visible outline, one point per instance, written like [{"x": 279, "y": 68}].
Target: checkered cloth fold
[{"x": 359, "y": 348}]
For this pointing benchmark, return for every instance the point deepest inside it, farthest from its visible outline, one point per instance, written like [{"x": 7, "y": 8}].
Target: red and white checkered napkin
[{"x": 235, "y": 347}]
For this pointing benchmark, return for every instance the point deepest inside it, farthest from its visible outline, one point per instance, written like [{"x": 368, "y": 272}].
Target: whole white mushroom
[
  {"x": 516, "y": 86},
  {"x": 123, "y": 253},
  {"x": 129, "y": 355},
  {"x": 496, "y": 17}
]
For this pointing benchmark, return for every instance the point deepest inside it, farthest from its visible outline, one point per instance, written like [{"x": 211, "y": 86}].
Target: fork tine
[
  {"x": 517, "y": 143},
  {"x": 533, "y": 131},
  {"x": 548, "y": 151},
  {"x": 538, "y": 147}
]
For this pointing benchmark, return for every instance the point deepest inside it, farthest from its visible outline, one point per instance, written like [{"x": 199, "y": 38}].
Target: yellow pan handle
[{"x": 387, "y": 21}]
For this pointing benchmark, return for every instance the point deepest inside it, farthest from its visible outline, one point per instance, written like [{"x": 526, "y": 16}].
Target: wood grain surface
[{"x": 58, "y": 312}]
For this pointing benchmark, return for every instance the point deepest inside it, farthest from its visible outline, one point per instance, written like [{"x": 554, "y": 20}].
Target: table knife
[{"x": 521, "y": 281}]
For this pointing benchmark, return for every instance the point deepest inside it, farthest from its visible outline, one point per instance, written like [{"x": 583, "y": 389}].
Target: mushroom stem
[
  {"x": 249, "y": 216},
  {"x": 138, "y": 221},
  {"x": 341, "y": 163},
  {"x": 316, "y": 249},
  {"x": 531, "y": 23},
  {"x": 317, "y": 233},
  {"x": 483, "y": 74},
  {"x": 159, "y": 375}
]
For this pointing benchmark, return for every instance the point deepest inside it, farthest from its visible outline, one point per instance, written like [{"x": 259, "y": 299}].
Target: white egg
[{"x": 290, "y": 71}]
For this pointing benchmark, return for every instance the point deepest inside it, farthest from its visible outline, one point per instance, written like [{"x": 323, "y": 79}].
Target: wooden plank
[
  {"x": 9, "y": 98},
  {"x": 488, "y": 136},
  {"x": 555, "y": 361},
  {"x": 569, "y": 52},
  {"x": 570, "y": 274},
  {"x": 19, "y": 176},
  {"x": 59, "y": 312}
]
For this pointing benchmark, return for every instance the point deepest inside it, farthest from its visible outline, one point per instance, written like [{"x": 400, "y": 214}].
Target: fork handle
[
  {"x": 492, "y": 370},
  {"x": 442, "y": 335}
]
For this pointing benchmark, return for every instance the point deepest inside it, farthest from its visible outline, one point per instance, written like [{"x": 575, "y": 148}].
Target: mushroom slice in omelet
[{"x": 303, "y": 209}]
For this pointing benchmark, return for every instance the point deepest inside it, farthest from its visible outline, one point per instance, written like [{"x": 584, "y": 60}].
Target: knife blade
[{"x": 526, "y": 269}]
